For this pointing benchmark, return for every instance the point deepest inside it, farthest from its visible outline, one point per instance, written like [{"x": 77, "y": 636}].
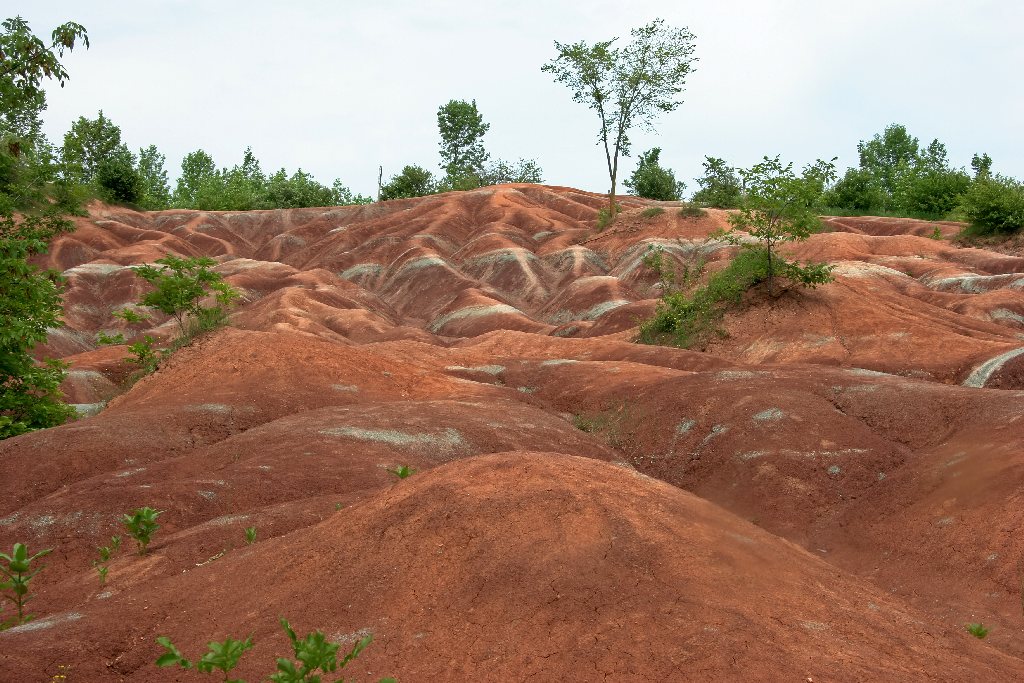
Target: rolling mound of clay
[
  {"x": 829, "y": 491},
  {"x": 517, "y": 565}
]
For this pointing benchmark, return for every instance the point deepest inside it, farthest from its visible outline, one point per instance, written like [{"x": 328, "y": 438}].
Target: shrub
[
  {"x": 994, "y": 204},
  {"x": 118, "y": 181},
  {"x": 691, "y": 211},
  {"x": 977, "y": 630},
  {"x": 250, "y": 535},
  {"x": 719, "y": 187},
  {"x": 652, "y": 181},
  {"x": 684, "y": 320},
  {"x": 17, "y": 568},
  {"x": 652, "y": 211},
  {"x": 141, "y": 525},
  {"x": 180, "y": 285},
  {"x": 413, "y": 181},
  {"x": 402, "y": 471}
]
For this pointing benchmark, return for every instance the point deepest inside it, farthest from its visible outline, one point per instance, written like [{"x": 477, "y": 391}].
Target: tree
[
  {"x": 413, "y": 181},
  {"x": 89, "y": 142},
  {"x": 652, "y": 181},
  {"x": 930, "y": 185},
  {"x": 30, "y": 303},
  {"x": 720, "y": 187},
  {"x": 995, "y": 204},
  {"x": 521, "y": 171},
  {"x": 25, "y": 62},
  {"x": 981, "y": 165},
  {"x": 181, "y": 284},
  {"x": 887, "y": 156},
  {"x": 156, "y": 191},
  {"x": 779, "y": 206},
  {"x": 197, "y": 172},
  {"x": 857, "y": 190},
  {"x": 628, "y": 87},
  {"x": 462, "y": 129},
  {"x": 117, "y": 180}
]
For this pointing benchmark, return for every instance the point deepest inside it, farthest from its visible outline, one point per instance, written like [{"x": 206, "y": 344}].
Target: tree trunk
[{"x": 771, "y": 274}]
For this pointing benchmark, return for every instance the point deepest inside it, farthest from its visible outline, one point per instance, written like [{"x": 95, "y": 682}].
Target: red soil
[{"x": 822, "y": 500}]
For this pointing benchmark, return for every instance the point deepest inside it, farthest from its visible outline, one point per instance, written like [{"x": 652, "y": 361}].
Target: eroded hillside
[{"x": 831, "y": 491}]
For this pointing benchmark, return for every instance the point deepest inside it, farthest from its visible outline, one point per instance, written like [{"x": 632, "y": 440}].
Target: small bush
[
  {"x": 250, "y": 535},
  {"x": 652, "y": 211},
  {"x": 402, "y": 471},
  {"x": 118, "y": 181},
  {"x": 141, "y": 525},
  {"x": 691, "y": 211},
  {"x": 604, "y": 218},
  {"x": 977, "y": 630},
  {"x": 994, "y": 205}
]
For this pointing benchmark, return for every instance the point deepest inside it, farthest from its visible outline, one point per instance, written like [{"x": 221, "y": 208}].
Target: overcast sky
[{"x": 340, "y": 87}]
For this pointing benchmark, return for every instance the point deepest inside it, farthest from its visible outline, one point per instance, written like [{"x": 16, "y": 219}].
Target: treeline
[
  {"x": 467, "y": 164},
  {"x": 895, "y": 176}
]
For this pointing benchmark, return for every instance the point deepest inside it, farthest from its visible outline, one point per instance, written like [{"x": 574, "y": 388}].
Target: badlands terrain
[{"x": 829, "y": 492}]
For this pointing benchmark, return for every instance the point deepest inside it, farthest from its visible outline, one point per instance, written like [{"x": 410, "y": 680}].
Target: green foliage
[
  {"x": 719, "y": 186},
  {"x": 141, "y": 525},
  {"x": 521, "y": 171},
  {"x": 30, "y": 216},
  {"x": 26, "y": 62},
  {"x": 604, "y": 218},
  {"x": 670, "y": 278},
  {"x": 104, "y": 339},
  {"x": 87, "y": 144},
  {"x": 180, "y": 285},
  {"x": 691, "y": 211},
  {"x": 18, "y": 574},
  {"x": 246, "y": 187},
  {"x": 220, "y": 656},
  {"x": 462, "y": 129},
  {"x": 117, "y": 180},
  {"x": 977, "y": 630},
  {"x": 779, "y": 206},
  {"x": 888, "y": 155},
  {"x": 981, "y": 164},
  {"x": 857, "y": 190},
  {"x": 105, "y": 553},
  {"x": 413, "y": 181},
  {"x": 402, "y": 471},
  {"x": 144, "y": 355},
  {"x": 652, "y": 211},
  {"x": 652, "y": 181},
  {"x": 994, "y": 205},
  {"x": 156, "y": 191},
  {"x": 627, "y": 87},
  {"x": 250, "y": 535},
  {"x": 29, "y": 307},
  {"x": 684, "y": 320}
]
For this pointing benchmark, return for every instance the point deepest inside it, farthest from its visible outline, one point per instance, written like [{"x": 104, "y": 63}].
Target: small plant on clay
[
  {"x": 140, "y": 525},
  {"x": 18, "y": 572},
  {"x": 936, "y": 233},
  {"x": 250, "y": 535},
  {"x": 315, "y": 652},
  {"x": 222, "y": 656},
  {"x": 652, "y": 211},
  {"x": 106, "y": 552},
  {"x": 402, "y": 471},
  {"x": 979, "y": 631}
]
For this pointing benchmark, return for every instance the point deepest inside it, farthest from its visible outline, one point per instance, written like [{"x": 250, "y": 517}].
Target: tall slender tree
[
  {"x": 462, "y": 129},
  {"x": 628, "y": 87}
]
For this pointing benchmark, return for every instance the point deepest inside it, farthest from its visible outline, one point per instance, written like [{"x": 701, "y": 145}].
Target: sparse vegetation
[
  {"x": 314, "y": 653},
  {"x": 141, "y": 525},
  {"x": 180, "y": 285},
  {"x": 691, "y": 211},
  {"x": 652, "y": 211},
  {"x": 250, "y": 535},
  {"x": 105, "y": 553},
  {"x": 979, "y": 631},
  {"x": 604, "y": 218},
  {"x": 402, "y": 471},
  {"x": 18, "y": 572}
]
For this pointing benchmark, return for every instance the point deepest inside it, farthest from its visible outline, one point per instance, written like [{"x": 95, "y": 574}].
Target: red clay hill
[{"x": 828, "y": 493}]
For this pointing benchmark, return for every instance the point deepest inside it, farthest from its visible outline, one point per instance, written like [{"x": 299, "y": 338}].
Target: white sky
[{"x": 340, "y": 87}]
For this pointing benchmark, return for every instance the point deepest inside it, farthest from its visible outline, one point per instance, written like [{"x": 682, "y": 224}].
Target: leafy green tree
[
  {"x": 779, "y": 206},
  {"x": 413, "y": 181},
  {"x": 462, "y": 129},
  {"x": 30, "y": 301},
  {"x": 198, "y": 173},
  {"x": 887, "y": 156},
  {"x": 296, "y": 191},
  {"x": 931, "y": 185},
  {"x": 520, "y": 171},
  {"x": 628, "y": 87},
  {"x": 857, "y": 190},
  {"x": 653, "y": 181},
  {"x": 181, "y": 284},
  {"x": 117, "y": 179},
  {"x": 25, "y": 62},
  {"x": 720, "y": 187},
  {"x": 981, "y": 165},
  {"x": 995, "y": 204},
  {"x": 156, "y": 191},
  {"x": 89, "y": 142}
]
